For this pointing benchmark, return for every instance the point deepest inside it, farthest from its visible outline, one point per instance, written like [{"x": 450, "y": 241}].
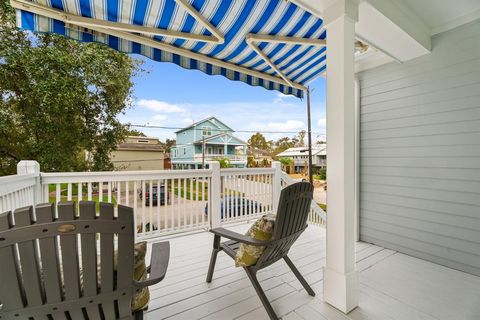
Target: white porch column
[{"x": 340, "y": 274}]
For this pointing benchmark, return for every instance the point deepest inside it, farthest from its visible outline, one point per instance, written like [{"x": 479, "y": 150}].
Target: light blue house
[{"x": 207, "y": 140}]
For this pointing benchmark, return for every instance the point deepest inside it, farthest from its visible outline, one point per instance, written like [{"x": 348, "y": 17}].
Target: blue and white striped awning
[{"x": 269, "y": 43}]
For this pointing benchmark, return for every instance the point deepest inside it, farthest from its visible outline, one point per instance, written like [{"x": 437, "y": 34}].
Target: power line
[{"x": 200, "y": 129}]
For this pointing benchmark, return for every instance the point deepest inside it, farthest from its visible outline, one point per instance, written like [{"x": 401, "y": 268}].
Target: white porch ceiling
[{"x": 401, "y": 29}]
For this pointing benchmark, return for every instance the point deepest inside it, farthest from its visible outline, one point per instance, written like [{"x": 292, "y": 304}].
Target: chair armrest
[
  {"x": 222, "y": 232},
  {"x": 158, "y": 266}
]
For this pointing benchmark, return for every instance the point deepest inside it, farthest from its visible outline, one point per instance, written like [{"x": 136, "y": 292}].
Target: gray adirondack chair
[
  {"x": 290, "y": 222},
  {"x": 49, "y": 267}
]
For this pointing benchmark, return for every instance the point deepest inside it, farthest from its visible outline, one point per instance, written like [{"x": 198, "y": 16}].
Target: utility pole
[
  {"x": 309, "y": 120},
  {"x": 203, "y": 152}
]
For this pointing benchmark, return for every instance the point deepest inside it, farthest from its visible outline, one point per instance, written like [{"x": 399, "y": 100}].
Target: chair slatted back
[
  {"x": 49, "y": 264},
  {"x": 291, "y": 221}
]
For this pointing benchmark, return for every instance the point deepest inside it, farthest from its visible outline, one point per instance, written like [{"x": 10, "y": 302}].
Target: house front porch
[{"x": 392, "y": 285}]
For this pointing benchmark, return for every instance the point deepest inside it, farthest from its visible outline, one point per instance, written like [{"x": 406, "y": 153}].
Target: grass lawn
[
  {"x": 64, "y": 194},
  {"x": 323, "y": 206},
  {"x": 199, "y": 194}
]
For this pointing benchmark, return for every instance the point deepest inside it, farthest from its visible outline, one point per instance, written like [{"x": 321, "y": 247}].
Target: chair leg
[
  {"x": 213, "y": 258},
  {"x": 299, "y": 276},
  {"x": 253, "y": 278}
]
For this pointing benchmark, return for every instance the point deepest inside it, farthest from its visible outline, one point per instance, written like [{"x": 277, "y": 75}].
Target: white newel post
[
  {"x": 215, "y": 195},
  {"x": 277, "y": 184},
  {"x": 32, "y": 167},
  {"x": 340, "y": 274}
]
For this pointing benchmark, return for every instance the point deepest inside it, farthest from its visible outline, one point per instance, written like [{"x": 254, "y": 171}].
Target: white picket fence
[{"x": 165, "y": 201}]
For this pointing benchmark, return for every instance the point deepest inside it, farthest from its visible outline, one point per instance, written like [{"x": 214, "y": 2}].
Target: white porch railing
[
  {"x": 165, "y": 201},
  {"x": 317, "y": 216}
]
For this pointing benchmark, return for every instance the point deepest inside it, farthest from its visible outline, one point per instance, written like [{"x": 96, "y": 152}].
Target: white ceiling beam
[{"x": 117, "y": 26}]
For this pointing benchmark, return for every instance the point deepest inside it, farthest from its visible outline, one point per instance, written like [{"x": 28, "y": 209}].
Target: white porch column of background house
[{"x": 340, "y": 274}]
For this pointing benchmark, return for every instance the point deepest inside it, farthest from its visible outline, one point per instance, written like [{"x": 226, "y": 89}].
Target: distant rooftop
[{"x": 318, "y": 149}]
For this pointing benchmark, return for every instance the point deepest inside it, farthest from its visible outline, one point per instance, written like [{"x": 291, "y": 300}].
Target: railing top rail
[
  {"x": 243, "y": 171},
  {"x": 13, "y": 183},
  {"x": 65, "y": 177}
]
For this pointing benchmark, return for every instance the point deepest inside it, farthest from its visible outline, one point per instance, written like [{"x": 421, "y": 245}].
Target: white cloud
[
  {"x": 322, "y": 123},
  {"x": 188, "y": 120},
  {"x": 289, "y": 125},
  {"x": 280, "y": 99},
  {"x": 160, "y": 106},
  {"x": 159, "y": 117}
]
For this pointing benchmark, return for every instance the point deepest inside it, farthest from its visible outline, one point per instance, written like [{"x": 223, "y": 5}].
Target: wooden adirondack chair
[
  {"x": 290, "y": 222},
  {"x": 55, "y": 273}
]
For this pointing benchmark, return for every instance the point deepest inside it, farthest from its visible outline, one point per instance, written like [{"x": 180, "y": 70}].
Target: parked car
[
  {"x": 239, "y": 206},
  {"x": 155, "y": 195}
]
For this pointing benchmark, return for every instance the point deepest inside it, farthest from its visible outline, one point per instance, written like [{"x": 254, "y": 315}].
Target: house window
[
  {"x": 206, "y": 131},
  {"x": 184, "y": 151}
]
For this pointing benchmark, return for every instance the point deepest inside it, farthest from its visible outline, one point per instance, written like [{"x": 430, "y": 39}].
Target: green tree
[
  {"x": 258, "y": 141},
  {"x": 283, "y": 144},
  {"x": 59, "y": 99},
  {"x": 286, "y": 162},
  {"x": 135, "y": 133},
  {"x": 301, "y": 138},
  {"x": 169, "y": 143}
]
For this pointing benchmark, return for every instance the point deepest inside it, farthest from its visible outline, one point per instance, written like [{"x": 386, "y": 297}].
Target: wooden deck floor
[{"x": 393, "y": 285}]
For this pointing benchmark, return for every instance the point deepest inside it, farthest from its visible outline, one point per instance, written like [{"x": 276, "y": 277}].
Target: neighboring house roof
[
  {"x": 205, "y": 120},
  {"x": 317, "y": 150},
  {"x": 133, "y": 143},
  {"x": 258, "y": 152},
  {"x": 216, "y": 136},
  {"x": 140, "y": 147}
]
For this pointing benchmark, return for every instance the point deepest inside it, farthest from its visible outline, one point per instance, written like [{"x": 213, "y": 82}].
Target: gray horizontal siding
[{"x": 420, "y": 153}]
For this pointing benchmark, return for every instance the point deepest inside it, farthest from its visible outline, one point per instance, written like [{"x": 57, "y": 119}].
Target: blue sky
[{"x": 169, "y": 95}]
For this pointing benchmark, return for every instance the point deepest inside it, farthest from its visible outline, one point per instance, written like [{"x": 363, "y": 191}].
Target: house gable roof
[
  {"x": 217, "y": 136},
  {"x": 303, "y": 151},
  {"x": 214, "y": 122}
]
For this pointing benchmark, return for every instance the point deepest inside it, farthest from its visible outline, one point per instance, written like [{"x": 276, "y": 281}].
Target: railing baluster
[
  {"x": 109, "y": 191},
  {"x": 142, "y": 198},
  {"x": 127, "y": 195},
  {"x": 100, "y": 191},
  {"x": 165, "y": 216},
  {"x": 89, "y": 191},
  {"x": 57, "y": 193},
  {"x": 135, "y": 202},
  {"x": 79, "y": 192},
  {"x": 179, "y": 184},
  {"x": 191, "y": 203},
  {"x": 150, "y": 203},
  {"x": 159, "y": 204},
  {"x": 184, "y": 203},
  {"x": 119, "y": 192},
  {"x": 172, "y": 209}
]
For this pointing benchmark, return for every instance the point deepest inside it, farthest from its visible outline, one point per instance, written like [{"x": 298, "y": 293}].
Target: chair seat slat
[
  {"x": 29, "y": 260},
  {"x": 89, "y": 258},
  {"x": 49, "y": 256},
  {"x": 106, "y": 260}
]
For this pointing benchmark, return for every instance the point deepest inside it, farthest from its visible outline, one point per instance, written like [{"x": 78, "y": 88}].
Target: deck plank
[{"x": 393, "y": 286}]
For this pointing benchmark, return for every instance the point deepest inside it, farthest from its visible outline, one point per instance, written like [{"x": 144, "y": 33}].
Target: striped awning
[{"x": 269, "y": 43}]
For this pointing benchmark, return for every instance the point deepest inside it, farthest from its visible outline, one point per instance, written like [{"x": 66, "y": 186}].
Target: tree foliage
[
  {"x": 59, "y": 99},
  {"x": 258, "y": 141}
]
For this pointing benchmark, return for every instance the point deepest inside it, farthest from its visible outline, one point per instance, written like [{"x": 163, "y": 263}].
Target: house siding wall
[{"x": 420, "y": 153}]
